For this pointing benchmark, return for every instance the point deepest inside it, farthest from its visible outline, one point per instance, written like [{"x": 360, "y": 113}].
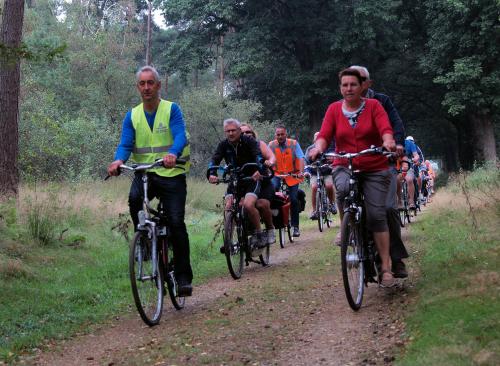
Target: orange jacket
[{"x": 286, "y": 160}]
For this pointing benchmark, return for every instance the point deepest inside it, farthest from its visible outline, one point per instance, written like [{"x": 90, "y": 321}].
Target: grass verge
[{"x": 455, "y": 320}]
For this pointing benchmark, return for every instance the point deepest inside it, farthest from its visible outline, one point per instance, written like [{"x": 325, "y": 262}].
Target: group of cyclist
[{"x": 363, "y": 118}]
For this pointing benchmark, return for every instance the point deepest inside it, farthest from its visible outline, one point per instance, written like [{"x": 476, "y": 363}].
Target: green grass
[
  {"x": 78, "y": 274},
  {"x": 455, "y": 320}
]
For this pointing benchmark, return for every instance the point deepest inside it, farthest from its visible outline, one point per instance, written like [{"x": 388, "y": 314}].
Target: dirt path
[{"x": 291, "y": 313}]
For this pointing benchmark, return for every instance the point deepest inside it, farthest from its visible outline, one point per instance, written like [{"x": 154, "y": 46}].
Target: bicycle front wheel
[
  {"x": 326, "y": 207},
  {"x": 232, "y": 247},
  {"x": 264, "y": 257},
  {"x": 319, "y": 209},
  {"x": 146, "y": 279},
  {"x": 353, "y": 269},
  {"x": 282, "y": 237}
]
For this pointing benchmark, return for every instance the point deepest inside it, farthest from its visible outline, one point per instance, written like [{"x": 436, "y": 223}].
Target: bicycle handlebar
[
  {"x": 144, "y": 167},
  {"x": 372, "y": 150}
]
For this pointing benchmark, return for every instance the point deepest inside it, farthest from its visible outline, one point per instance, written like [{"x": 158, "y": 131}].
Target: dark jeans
[
  {"x": 172, "y": 193},
  {"x": 397, "y": 248},
  {"x": 294, "y": 200}
]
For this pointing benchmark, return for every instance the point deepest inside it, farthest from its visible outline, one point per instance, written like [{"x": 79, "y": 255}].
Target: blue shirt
[
  {"x": 410, "y": 148},
  {"x": 176, "y": 125}
]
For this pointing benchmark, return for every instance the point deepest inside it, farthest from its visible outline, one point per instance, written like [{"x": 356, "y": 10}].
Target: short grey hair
[
  {"x": 232, "y": 121},
  {"x": 150, "y": 69},
  {"x": 361, "y": 68}
]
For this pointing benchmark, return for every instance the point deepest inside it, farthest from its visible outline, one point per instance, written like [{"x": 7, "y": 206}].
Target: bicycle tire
[
  {"x": 264, "y": 257},
  {"x": 319, "y": 209},
  {"x": 402, "y": 217},
  {"x": 232, "y": 246},
  {"x": 147, "y": 290},
  {"x": 353, "y": 267},
  {"x": 326, "y": 206},
  {"x": 177, "y": 301},
  {"x": 289, "y": 231},
  {"x": 281, "y": 234}
]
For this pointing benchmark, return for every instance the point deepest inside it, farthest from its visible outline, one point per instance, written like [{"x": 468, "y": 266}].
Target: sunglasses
[{"x": 248, "y": 133}]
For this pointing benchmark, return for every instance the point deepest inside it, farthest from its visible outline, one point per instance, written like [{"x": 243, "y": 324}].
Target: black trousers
[
  {"x": 171, "y": 191},
  {"x": 397, "y": 247}
]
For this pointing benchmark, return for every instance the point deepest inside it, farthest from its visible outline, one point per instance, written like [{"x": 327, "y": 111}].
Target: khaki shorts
[{"x": 327, "y": 178}]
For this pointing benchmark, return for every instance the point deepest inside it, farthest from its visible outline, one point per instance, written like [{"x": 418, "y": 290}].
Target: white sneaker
[{"x": 271, "y": 236}]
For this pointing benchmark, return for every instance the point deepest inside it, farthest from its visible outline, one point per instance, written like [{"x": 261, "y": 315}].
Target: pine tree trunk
[
  {"x": 11, "y": 35},
  {"x": 484, "y": 138}
]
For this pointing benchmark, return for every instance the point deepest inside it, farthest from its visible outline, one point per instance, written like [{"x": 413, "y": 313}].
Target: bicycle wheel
[
  {"x": 289, "y": 231},
  {"x": 147, "y": 286},
  {"x": 402, "y": 217},
  {"x": 177, "y": 301},
  {"x": 319, "y": 209},
  {"x": 264, "y": 257},
  {"x": 282, "y": 234},
  {"x": 326, "y": 206},
  {"x": 353, "y": 269},
  {"x": 232, "y": 246}
]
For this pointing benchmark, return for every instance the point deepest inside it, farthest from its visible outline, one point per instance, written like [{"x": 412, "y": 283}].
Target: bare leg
[
  {"x": 252, "y": 212},
  {"x": 264, "y": 207}
]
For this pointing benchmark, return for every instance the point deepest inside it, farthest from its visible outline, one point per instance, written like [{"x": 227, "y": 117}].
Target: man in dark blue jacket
[{"x": 398, "y": 250}]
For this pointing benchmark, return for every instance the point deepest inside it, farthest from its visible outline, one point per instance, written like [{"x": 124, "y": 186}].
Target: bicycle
[
  {"x": 322, "y": 202},
  {"x": 236, "y": 232},
  {"x": 358, "y": 251},
  {"x": 151, "y": 262},
  {"x": 404, "y": 212},
  {"x": 284, "y": 191}
]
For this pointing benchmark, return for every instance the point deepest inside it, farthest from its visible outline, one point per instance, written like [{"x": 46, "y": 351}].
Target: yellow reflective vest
[{"x": 151, "y": 145}]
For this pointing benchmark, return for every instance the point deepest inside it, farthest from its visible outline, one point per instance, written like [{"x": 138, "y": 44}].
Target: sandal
[{"x": 387, "y": 281}]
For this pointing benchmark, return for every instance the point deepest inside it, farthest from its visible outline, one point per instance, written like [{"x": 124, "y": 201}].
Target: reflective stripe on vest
[{"x": 151, "y": 145}]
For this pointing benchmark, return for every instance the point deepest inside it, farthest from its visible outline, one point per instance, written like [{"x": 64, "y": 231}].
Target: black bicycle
[
  {"x": 285, "y": 230},
  {"x": 358, "y": 250},
  {"x": 151, "y": 262},
  {"x": 404, "y": 211},
  {"x": 237, "y": 227},
  {"x": 323, "y": 204}
]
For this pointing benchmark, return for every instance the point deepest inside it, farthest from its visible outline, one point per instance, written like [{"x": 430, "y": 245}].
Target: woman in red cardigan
[{"x": 356, "y": 124}]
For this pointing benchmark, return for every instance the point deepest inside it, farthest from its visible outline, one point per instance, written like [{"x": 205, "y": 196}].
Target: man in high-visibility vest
[
  {"x": 289, "y": 160},
  {"x": 152, "y": 130}
]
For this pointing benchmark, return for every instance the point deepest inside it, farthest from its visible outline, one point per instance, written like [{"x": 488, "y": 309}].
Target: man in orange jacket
[{"x": 289, "y": 160}]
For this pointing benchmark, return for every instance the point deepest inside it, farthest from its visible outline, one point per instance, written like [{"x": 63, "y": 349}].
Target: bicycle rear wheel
[
  {"x": 232, "y": 246},
  {"x": 319, "y": 209},
  {"x": 353, "y": 269},
  {"x": 289, "y": 231},
  {"x": 147, "y": 284},
  {"x": 326, "y": 207}
]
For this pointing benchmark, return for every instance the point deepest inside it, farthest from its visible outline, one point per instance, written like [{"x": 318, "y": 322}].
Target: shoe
[
  {"x": 387, "y": 279},
  {"x": 399, "y": 269},
  {"x": 271, "y": 236},
  {"x": 338, "y": 239},
  {"x": 184, "y": 287},
  {"x": 333, "y": 208},
  {"x": 313, "y": 215},
  {"x": 296, "y": 232},
  {"x": 256, "y": 240}
]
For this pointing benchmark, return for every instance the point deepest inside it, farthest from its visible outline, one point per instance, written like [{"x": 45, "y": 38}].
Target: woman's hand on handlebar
[
  {"x": 313, "y": 154},
  {"x": 114, "y": 168}
]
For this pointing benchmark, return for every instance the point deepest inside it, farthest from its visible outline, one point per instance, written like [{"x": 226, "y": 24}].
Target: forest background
[{"x": 258, "y": 61}]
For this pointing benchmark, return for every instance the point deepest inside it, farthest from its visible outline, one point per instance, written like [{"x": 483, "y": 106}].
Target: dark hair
[
  {"x": 351, "y": 72},
  {"x": 280, "y": 125}
]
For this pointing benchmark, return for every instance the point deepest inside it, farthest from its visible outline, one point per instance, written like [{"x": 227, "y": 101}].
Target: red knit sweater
[{"x": 373, "y": 122}]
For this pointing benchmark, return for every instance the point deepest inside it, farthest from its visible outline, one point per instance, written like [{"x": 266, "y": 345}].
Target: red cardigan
[{"x": 373, "y": 122}]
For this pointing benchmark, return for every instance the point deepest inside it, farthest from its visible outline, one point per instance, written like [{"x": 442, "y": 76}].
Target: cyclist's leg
[
  {"x": 135, "y": 199},
  {"x": 341, "y": 177},
  {"x": 397, "y": 248},
  {"x": 410, "y": 175},
  {"x": 294, "y": 200},
  {"x": 330, "y": 191},
  {"x": 314, "y": 188},
  {"x": 375, "y": 189},
  {"x": 172, "y": 192},
  {"x": 276, "y": 183},
  {"x": 263, "y": 204}
]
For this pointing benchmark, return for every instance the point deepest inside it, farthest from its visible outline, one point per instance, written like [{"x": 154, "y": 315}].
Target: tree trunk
[
  {"x": 12, "y": 27},
  {"x": 148, "y": 45},
  {"x": 221, "y": 65},
  {"x": 484, "y": 137}
]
